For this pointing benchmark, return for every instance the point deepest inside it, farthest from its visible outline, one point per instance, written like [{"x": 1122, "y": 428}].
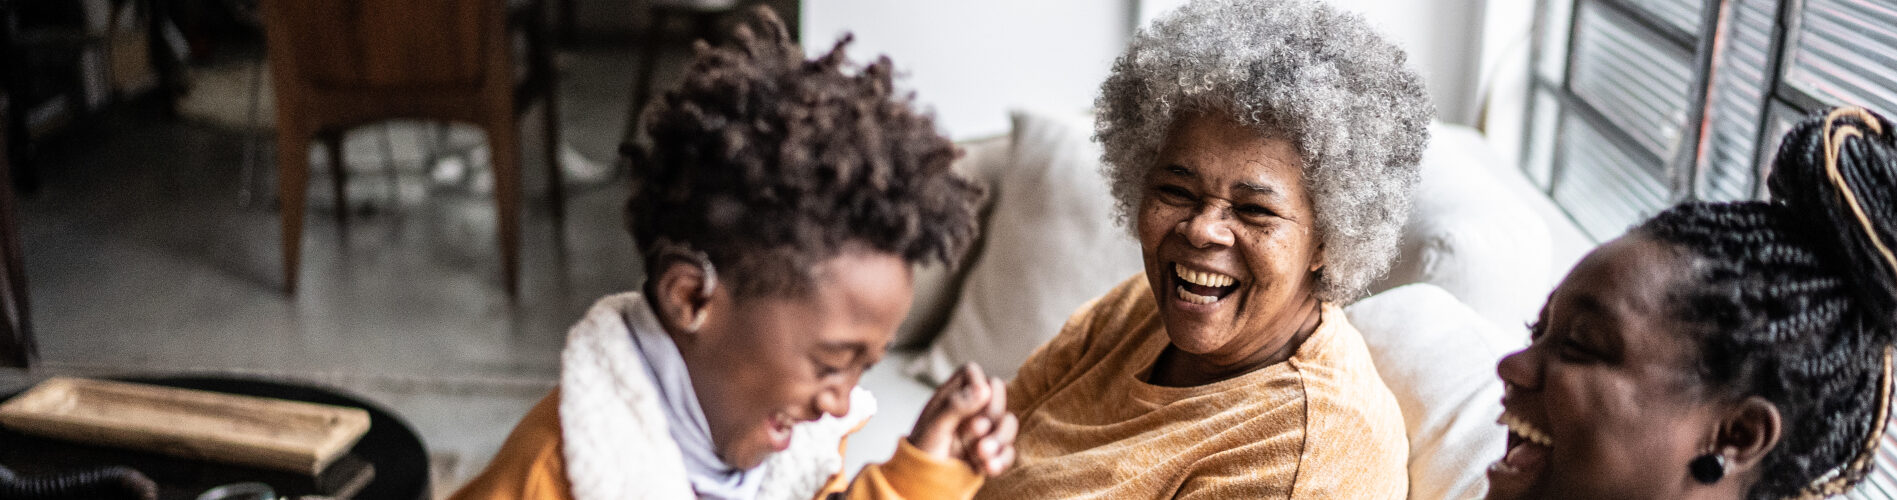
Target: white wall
[
  {"x": 1505, "y": 72},
  {"x": 973, "y": 60},
  {"x": 1443, "y": 39}
]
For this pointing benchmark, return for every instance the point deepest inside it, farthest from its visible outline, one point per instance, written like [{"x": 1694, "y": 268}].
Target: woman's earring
[{"x": 1708, "y": 468}]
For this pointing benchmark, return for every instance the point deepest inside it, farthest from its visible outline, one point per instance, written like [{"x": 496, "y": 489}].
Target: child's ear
[{"x": 682, "y": 293}]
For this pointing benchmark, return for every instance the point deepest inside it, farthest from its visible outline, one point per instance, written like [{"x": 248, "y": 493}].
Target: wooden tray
[{"x": 259, "y": 432}]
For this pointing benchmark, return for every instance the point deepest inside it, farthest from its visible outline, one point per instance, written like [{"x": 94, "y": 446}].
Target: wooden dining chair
[{"x": 339, "y": 64}]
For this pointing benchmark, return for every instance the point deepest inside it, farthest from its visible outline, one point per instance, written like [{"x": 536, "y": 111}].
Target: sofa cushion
[
  {"x": 1438, "y": 356},
  {"x": 1049, "y": 246},
  {"x": 938, "y": 286},
  {"x": 1470, "y": 235}
]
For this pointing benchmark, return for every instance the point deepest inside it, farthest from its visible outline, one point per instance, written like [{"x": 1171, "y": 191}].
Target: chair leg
[
  {"x": 339, "y": 172},
  {"x": 293, "y": 170},
  {"x": 642, "y": 83},
  {"x": 541, "y": 63},
  {"x": 253, "y": 142},
  {"x": 556, "y": 185},
  {"x": 503, "y": 139}
]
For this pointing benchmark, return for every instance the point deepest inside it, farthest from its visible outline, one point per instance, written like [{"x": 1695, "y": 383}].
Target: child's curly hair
[{"x": 771, "y": 163}]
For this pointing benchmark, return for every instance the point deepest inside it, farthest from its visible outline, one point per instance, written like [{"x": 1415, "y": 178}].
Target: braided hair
[
  {"x": 1792, "y": 299},
  {"x": 769, "y": 163}
]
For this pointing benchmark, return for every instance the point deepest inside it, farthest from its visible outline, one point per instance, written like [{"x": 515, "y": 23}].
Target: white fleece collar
[
  {"x": 615, "y": 437},
  {"x": 710, "y": 476}
]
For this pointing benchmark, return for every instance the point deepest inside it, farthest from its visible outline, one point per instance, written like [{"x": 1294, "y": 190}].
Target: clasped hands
[{"x": 967, "y": 419}]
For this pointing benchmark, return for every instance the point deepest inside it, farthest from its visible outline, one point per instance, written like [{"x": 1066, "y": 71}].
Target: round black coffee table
[{"x": 388, "y": 463}]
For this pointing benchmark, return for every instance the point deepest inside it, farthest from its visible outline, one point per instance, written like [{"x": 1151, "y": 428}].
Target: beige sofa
[{"x": 1481, "y": 251}]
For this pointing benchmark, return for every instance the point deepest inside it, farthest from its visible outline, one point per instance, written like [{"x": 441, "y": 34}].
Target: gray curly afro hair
[{"x": 1297, "y": 69}]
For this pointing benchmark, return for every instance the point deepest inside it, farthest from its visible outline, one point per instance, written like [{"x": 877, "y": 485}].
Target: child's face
[{"x": 763, "y": 364}]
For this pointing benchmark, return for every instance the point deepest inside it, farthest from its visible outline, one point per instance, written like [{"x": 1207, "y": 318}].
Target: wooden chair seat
[{"x": 339, "y": 64}]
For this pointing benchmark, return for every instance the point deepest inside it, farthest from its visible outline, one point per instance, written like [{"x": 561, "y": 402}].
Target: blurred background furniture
[
  {"x": 16, "y": 330},
  {"x": 338, "y": 64},
  {"x": 64, "y": 61},
  {"x": 701, "y": 20},
  {"x": 389, "y": 462}
]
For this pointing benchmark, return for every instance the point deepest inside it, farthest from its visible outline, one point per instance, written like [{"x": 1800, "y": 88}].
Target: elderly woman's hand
[{"x": 968, "y": 419}]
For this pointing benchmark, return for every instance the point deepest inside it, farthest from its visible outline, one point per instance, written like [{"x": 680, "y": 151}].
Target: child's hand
[{"x": 968, "y": 419}]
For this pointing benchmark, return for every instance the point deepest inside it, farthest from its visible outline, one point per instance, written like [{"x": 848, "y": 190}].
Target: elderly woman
[
  {"x": 1722, "y": 350},
  {"x": 1263, "y": 153}
]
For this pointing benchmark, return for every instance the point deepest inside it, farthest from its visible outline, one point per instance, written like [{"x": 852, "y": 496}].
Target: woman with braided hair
[
  {"x": 1722, "y": 350},
  {"x": 780, "y": 203}
]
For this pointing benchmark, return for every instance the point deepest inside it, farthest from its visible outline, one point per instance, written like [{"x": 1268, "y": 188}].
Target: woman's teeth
[
  {"x": 1208, "y": 285},
  {"x": 1195, "y": 298},
  {"x": 1525, "y": 430},
  {"x": 1202, "y": 278},
  {"x": 1527, "y": 455}
]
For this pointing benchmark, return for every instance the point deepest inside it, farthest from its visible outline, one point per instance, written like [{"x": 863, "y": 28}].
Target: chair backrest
[{"x": 386, "y": 43}]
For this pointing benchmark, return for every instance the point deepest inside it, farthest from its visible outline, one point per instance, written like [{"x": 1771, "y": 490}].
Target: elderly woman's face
[
  {"x": 1605, "y": 403},
  {"x": 1225, "y": 227}
]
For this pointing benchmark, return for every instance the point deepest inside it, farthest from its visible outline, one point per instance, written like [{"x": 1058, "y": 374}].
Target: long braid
[{"x": 1793, "y": 299}]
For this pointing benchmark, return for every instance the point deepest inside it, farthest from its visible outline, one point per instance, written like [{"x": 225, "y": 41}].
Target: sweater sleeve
[
  {"x": 529, "y": 466},
  {"x": 910, "y": 474}
]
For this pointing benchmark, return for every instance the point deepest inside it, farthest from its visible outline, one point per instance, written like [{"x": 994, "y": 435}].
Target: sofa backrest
[
  {"x": 937, "y": 286},
  {"x": 1470, "y": 234},
  {"x": 1438, "y": 357}
]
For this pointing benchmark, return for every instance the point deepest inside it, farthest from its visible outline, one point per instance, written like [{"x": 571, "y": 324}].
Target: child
[{"x": 781, "y": 204}]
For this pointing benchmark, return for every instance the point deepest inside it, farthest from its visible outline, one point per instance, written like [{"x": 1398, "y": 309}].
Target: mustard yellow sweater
[
  {"x": 1320, "y": 425},
  {"x": 530, "y": 466}
]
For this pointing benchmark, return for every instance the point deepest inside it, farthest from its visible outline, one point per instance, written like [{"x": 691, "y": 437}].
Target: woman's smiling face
[
  {"x": 1605, "y": 403},
  {"x": 1225, "y": 228}
]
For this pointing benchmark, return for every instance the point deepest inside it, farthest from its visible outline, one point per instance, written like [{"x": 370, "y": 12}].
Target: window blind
[
  {"x": 1845, "y": 52},
  {"x": 1635, "y": 87},
  {"x": 1636, "y": 79},
  {"x": 1682, "y": 14},
  {"x": 1603, "y": 187},
  {"x": 1740, "y": 87}
]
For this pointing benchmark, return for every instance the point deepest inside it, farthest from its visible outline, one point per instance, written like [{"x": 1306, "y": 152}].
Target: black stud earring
[{"x": 1708, "y": 468}]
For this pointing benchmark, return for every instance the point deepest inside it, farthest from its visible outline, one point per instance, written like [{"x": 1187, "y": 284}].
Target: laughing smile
[
  {"x": 1201, "y": 287},
  {"x": 1528, "y": 447}
]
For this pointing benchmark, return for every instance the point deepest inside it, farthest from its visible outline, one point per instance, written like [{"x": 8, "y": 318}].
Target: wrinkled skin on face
[{"x": 1226, "y": 230}]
